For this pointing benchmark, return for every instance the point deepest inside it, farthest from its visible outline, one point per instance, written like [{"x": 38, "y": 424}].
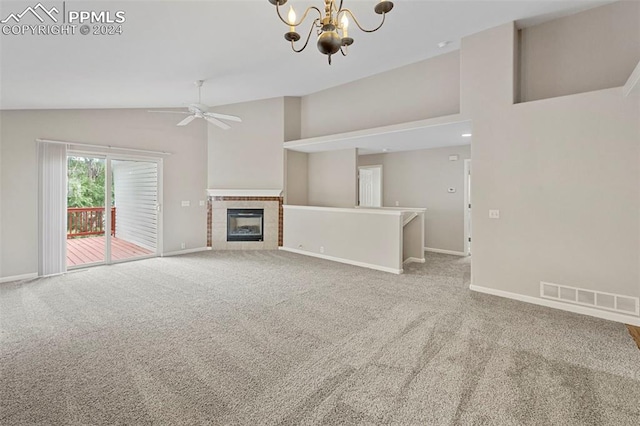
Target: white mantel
[{"x": 244, "y": 192}]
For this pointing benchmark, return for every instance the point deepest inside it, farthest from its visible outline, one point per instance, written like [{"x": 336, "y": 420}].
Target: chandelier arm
[
  {"x": 306, "y": 12},
  {"x": 345, "y": 10},
  {"x": 313, "y": 25},
  {"x": 343, "y": 51}
]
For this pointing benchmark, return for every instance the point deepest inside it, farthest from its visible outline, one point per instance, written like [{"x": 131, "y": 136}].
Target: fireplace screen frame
[{"x": 245, "y": 213}]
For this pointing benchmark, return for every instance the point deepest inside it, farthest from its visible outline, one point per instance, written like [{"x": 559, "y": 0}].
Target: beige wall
[
  {"x": 563, "y": 172},
  {"x": 249, "y": 155},
  {"x": 332, "y": 178},
  {"x": 292, "y": 119},
  {"x": 297, "y": 183},
  {"x": 421, "y": 179},
  {"x": 185, "y": 172},
  {"x": 593, "y": 50},
  {"x": 426, "y": 89},
  {"x": 363, "y": 236}
]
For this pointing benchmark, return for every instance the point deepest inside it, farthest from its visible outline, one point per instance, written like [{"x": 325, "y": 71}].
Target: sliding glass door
[
  {"x": 86, "y": 215},
  {"x": 113, "y": 209}
]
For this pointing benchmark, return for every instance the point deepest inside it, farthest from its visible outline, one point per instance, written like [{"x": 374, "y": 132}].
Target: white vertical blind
[
  {"x": 52, "y": 208},
  {"x": 136, "y": 200}
]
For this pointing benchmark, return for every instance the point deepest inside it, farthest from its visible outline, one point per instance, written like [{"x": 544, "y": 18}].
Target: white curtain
[{"x": 52, "y": 208}]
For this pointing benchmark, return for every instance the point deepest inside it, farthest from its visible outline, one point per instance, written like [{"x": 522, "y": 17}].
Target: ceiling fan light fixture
[
  {"x": 332, "y": 25},
  {"x": 200, "y": 110}
]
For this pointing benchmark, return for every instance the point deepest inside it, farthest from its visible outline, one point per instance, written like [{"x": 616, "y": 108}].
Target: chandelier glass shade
[{"x": 331, "y": 25}]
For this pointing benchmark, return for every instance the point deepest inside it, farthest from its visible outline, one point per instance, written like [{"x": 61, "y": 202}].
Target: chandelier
[{"x": 332, "y": 25}]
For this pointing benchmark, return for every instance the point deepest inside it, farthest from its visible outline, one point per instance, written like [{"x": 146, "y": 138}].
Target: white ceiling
[{"x": 237, "y": 46}]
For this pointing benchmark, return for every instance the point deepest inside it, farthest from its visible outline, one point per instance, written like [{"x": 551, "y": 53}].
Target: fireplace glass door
[{"x": 245, "y": 224}]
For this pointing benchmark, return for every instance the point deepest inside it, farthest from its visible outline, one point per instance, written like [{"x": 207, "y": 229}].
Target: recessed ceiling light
[
  {"x": 466, "y": 135},
  {"x": 443, "y": 44}
]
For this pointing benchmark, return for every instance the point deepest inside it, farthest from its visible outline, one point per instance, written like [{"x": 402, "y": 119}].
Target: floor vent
[{"x": 595, "y": 299}]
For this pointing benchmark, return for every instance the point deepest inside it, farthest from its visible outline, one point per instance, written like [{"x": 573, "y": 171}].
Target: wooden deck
[{"x": 81, "y": 251}]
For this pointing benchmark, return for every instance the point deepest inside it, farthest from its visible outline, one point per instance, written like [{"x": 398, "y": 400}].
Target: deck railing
[{"x": 87, "y": 221}]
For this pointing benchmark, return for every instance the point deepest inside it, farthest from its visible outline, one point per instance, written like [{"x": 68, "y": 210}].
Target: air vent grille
[{"x": 595, "y": 299}]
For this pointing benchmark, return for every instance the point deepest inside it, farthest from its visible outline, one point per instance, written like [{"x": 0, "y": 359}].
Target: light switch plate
[
  {"x": 201, "y": 203},
  {"x": 494, "y": 214},
  {"x": 186, "y": 203}
]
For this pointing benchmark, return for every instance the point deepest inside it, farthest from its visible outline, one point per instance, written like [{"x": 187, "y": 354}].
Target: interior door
[{"x": 370, "y": 186}]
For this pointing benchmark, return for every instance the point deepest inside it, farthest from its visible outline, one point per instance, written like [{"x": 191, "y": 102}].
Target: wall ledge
[{"x": 361, "y": 210}]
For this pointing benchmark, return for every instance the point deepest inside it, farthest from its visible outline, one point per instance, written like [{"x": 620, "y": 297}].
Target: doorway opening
[{"x": 370, "y": 186}]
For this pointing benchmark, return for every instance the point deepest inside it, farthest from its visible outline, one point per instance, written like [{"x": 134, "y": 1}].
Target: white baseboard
[
  {"x": 19, "y": 277},
  {"x": 413, "y": 260},
  {"x": 187, "y": 251},
  {"x": 584, "y": 310},
  {"x": 435, "y": 250},
  {"x": 341, "y": 260}
]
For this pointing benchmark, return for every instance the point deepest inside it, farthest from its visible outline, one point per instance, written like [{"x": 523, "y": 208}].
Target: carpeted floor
[{"x": 273, "y": 338}]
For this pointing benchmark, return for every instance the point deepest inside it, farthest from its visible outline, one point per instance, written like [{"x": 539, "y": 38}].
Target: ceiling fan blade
[
  {"x": 187, "y": 120},
  {"x": 224, "y": 116},
  {"x": 172, "y": 112},
  {"x": 217, "y": 122}
]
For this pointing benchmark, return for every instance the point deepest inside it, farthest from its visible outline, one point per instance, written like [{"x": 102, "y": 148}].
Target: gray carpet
[{"x": 269, "y": 338}]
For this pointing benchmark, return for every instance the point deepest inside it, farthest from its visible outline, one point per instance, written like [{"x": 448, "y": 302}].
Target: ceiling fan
[{"x": 200, "y": 110}]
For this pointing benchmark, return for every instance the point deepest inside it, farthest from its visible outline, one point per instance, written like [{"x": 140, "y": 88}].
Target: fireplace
[{"x": 245, "y": 224}]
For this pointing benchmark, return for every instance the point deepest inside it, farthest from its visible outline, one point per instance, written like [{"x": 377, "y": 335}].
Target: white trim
[
  {"x": 364, "y": 210},
  {"x": 633, "y": 83},
  {"x": 187, "y": 251},
  {"x": 413, "y": 260},
  {"x": 341, "y": 260},
  {"x": 19, "y": 277},
  {"x": 466, "y": 209},
  {"x": 577, "y": 309},
  {"x": 435, "y": 250},
  {"x": 244, "y": 192},
  {"x": 101, "y": 147}
]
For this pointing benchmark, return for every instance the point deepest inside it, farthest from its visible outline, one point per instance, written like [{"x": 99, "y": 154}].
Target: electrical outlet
[
  {"x": 183, "y": 245},
  {"x": 397, "y": 203},
  {"x": 201, "y": 203},
  {"x": 494, "y": 214},
  {"x": 321, "y": 249}
]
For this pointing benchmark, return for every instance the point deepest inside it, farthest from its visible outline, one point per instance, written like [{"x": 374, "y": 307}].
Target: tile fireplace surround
[{"x": 221, "y": 200}]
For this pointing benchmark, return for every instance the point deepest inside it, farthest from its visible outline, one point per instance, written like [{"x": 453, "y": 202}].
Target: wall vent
[{"x": 595, "y": 299}]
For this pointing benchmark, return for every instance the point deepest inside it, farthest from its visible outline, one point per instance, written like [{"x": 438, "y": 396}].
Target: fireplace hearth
[{"x": 245, "y": 224}]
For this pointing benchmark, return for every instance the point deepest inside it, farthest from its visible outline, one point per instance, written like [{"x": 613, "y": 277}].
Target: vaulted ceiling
[{"x": 237, "y": 46}]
